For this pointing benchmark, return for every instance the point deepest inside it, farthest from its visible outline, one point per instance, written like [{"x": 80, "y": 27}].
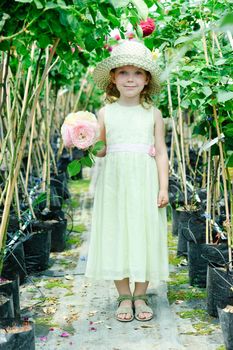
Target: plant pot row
[
  {"x": 208, "y": 266},
  {"x": 32, "y": 255}
]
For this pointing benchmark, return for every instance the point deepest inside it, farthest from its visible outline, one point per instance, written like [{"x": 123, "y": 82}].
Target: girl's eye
[
  {"x": 138, "y": 72},
  {"x": 122, "y": 72}
]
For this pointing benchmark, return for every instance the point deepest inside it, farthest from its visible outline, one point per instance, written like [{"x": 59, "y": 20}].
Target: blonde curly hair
[{"x": 112, "y": 94}]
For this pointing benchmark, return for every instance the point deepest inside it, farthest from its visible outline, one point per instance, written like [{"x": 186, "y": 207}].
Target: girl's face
[{"x": 130, "y": 80}]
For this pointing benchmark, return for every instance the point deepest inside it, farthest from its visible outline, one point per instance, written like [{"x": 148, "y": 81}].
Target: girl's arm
[
  {"x": 102, "y": 137},
  {"x": 161, "y": 159}
]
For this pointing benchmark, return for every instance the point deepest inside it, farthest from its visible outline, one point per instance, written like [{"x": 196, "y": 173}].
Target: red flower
[
  {"x": 147, "y": 26},
  {"x": 117, "y": 37}
]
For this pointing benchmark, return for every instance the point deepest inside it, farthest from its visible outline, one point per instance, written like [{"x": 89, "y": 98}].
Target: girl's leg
[
  {"x": 123, "y": 288},
  {"x": 140, "y": 289}
]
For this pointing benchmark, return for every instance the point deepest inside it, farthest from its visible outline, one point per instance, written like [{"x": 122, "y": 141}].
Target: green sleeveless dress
[{"x": 128, "y": 230}]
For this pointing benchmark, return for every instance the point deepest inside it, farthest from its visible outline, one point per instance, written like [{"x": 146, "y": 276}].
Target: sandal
[
  {"x": 142, "y": 308},
  {"x": 124, "y": 309}
]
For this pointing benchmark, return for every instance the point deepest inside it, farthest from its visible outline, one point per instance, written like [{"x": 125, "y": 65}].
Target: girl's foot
[
  {"x": 142, "y": 311},
  {"x": 124, "y": 312}
]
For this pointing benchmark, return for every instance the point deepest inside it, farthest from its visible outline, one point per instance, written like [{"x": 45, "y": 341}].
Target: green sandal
[
  {"x": 142, "y": 308},
  {"x": 124, "y": 309}
]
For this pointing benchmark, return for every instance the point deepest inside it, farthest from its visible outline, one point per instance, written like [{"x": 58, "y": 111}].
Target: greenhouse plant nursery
[{"x": 77, "y": 178}]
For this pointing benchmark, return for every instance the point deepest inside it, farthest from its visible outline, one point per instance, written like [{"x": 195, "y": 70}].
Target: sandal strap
[
  {"x": 141, "y": 297},
  {"x": 124, "y": 297}
]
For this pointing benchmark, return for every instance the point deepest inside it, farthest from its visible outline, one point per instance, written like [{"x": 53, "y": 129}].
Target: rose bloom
[
  {"x": 80, "y": 130},
  {"x": 147, "y": 26}
]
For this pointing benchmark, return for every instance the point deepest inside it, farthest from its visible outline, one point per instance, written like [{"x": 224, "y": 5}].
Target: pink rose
[
  {"x": 152, "y": 151},
  {"x": 80, "y": 130},
  {"x": 83, "y": 134},
  {"x": 147, "y": 26}
]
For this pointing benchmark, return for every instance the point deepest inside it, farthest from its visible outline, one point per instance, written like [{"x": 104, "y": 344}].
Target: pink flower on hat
[
  {"x": 80, "y": 130},
  {"x": 147, "y": 26},
  {"x": 152, "y": 151}
]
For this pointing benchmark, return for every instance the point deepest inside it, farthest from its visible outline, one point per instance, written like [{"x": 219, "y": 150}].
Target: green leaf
[
  {"x": 185, "y": 83},
  {"x": 24, "y": 1},
  {"x": 44, "y": 40},
  {"x": 228, "y": 130},
  {"x": 74, "y": 168},
  {"x": 51, "y": 5},
  {"x": 181, "y": 40},
  {"x": 224, "y": 96},
  {"x": 5, "y": 16},
  {"x": 120, "y": 3},
  {"x": 90, "y": 43},
  {"x": 98, "y": 146},
  {"x": 38, "y": 4},
  {"x": 207, "y": 91},
  {"x": 142, "y": 8},
  {"x": 229, "y": 162},
  {"x": 87, "y": 161}
]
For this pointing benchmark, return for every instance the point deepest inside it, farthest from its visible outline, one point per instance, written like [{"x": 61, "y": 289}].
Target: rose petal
[{"x": 65, "y": 335}]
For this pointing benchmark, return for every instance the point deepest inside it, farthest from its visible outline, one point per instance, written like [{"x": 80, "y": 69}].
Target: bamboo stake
[
  {"x": 175, "y": 132},
  {"x": 208, "y": 200},
  {"x": 224, "y": 187},
  {"x": 204, "y": 42},
  {"x": 182, "y": 142},
  {"x": 80, "y": 91},
  {"x": 14, "y": 172}
]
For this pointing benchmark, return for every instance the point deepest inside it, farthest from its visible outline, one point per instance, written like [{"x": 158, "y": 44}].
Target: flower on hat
[
  {"x": 80, "y": 130},
  {"x": 147, "y": 26},
  {"x": 155, "y": 54}
]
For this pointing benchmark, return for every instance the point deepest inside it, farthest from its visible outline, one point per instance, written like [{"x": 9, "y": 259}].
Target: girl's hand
[{"x": 162, "y": 198}]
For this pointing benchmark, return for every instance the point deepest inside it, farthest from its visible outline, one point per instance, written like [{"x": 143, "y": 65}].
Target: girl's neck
[{"x": 128, "y": 102}]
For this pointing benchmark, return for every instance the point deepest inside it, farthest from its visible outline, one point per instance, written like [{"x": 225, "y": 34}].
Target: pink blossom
[
  {"x": 152, "y": 151},
  {"x": 44, "y": 338},
  {"x": 117, "y": 37},
  {"x": 83, "y": 135},
  {"x": 65, "y": 335},
  {"x": 147, "y": 26},
  {"x": 80, "y": 130},
  {"x": 66, "y": 135}
]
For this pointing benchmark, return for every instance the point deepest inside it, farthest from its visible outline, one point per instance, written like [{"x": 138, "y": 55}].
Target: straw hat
[{"x": 131, "y": 53}]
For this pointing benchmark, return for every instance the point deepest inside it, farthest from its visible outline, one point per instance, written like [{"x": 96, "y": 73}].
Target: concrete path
[{"x": 84, "y": 319}]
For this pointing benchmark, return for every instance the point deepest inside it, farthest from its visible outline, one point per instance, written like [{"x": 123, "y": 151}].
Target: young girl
[{"x": 129, "y": 227}]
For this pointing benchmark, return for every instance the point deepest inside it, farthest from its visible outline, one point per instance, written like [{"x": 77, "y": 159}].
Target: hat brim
[{"x": 101, "y": 73}]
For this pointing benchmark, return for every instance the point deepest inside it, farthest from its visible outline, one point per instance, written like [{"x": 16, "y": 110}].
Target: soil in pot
[
  {"x": 10, "y": 289},
  {"x": 18, "y": 335},
  {"x": 197, "y": 265},
  {"x": 14, "y": 263},
  {"x": 37, "y": 250},
  {"x": 219, "y": 292},
  {"x": 226, "y": 322},
  {"x": 6, "y": 307}
]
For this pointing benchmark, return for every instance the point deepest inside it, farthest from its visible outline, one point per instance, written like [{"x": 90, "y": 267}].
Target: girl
[{"x": 128, "y": 236}]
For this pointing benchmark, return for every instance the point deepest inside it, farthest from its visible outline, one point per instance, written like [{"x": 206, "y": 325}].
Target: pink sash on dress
[{"x": 132, "y": 147}]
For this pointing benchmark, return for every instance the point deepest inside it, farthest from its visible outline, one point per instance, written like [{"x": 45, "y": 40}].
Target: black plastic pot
[
  {"x": 14, "y": 263},
  {"x": 175, "y": 222},
  {"x": 21, "y": 340},
  {"x": 216, "y": 253},
  {"x": 10, "y": 289},
  {"x": 6, "y": 307},
  {"x": 219, "y": 293},
  {"x": 58, "y": 235},
  {"x": 226, "y": 322},
  {"x": 193, "y": 226},
  {"x": 37, "y": 250},
  {"x": 197, "y": 265}
]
